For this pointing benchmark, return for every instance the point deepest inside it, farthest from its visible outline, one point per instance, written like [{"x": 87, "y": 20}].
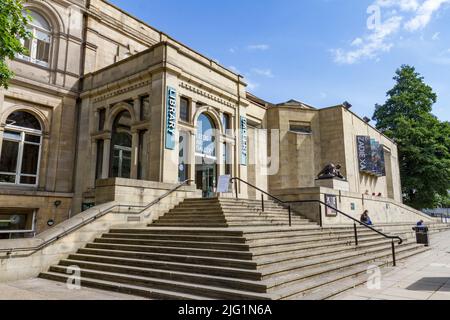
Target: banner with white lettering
[{"x": 171, "y": 118}]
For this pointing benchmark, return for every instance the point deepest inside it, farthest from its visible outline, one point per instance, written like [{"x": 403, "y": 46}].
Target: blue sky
[{"x": 322, "y": 52}]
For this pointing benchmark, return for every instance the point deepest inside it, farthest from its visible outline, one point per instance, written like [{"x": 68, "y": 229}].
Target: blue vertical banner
[
  {"x": 171, "y": 118},
  {"x": 244, "y": 141}
]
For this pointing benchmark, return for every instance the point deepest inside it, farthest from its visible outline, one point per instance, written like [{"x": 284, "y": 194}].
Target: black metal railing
[
  {"x": 235, "y": 180},
  {"x": 289, "y": 204},
  {"x": 101, "y": 213}
]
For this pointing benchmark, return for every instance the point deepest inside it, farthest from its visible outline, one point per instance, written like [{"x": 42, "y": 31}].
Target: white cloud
[
  {"x": 410, "y": 15},
  {"x": 263, "y": 72},
  {"x": 232, "y": 50},
  {"x": 371, "y": 45},
  {"x": 435, "y": 36},
  {"x": 404, "y": 5},
  {"x": 261, "y": 47},
  {"x": 234, "y": 69},
  {"x": 251, "y": 85},
  {"x": 424, "y": 14}
]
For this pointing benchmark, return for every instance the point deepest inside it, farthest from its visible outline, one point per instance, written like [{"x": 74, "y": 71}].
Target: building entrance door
[{"x": 205, "y": 178}]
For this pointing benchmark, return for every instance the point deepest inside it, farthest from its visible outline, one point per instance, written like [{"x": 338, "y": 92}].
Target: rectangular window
[
  {"x": 226, "y": 121},
  {"x": 227, "y": 158},
  {"x": 30, "y": 159},
  {"x": 99, "y": 163},
  {"x": 141, "y": 155},
  {"x": 144, "y": 111},
  {"x": 101, "y": 119},
  {"x": 184, "y": 110},
  {"x": 8, "y": 160},
  {"x": 42, "y": 51},
  {"x": 304, "y": 128}
]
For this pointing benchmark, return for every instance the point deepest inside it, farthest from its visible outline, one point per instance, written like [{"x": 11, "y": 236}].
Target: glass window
[
  {"x": 226, "y": 121},
  {"x": 184, "y": 110},
  {"x": 301, "y": 128},
  {"x": 121, "y": 150},
  {"x": 38, "y": 45},
  {"x": 21, "y": 148},
  {"x": 144, "y": 112},
  {"x": 101, "y": 119},
  {"x": 205, "y": 139},
  {"x": 183, "y": 168},
  {"x": 227, "y": 158},
  {"x": 99, "y": 163}
]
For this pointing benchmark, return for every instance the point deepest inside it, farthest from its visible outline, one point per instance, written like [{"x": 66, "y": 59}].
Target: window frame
[
  {"x": 22, "y": 142},
  {"x": 188, "y": 120},
  {"x": 32, "y": 58}
]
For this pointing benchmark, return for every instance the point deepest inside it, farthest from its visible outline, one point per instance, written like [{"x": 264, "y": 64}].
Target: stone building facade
[{"x": 103, "y": 97}]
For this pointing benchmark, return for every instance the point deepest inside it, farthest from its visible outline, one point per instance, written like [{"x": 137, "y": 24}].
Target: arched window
[
  {"x": 39, "y": 44},
  {"x": 205, "y": 140},
  {"x": 21, "y": 149},
  {"x": 121, "y": 146}
]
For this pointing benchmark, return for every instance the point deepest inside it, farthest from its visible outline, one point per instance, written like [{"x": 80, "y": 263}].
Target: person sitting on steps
[{"x": 366, "y": 219}]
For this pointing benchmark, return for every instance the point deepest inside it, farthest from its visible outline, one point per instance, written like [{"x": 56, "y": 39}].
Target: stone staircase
[
  {"x": 224, "y": 249},
  {"x": 223, "y": 213}
]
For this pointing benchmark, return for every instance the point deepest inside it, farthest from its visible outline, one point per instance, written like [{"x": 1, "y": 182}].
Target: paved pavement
[
  {"x": 423, "y": 277},
  {"x": 41, "y": 289}
]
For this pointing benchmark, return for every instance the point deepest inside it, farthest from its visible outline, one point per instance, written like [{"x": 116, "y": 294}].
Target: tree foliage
[
  {"x": 12, "y": 28},
  {"x": 423, "y": 141}
]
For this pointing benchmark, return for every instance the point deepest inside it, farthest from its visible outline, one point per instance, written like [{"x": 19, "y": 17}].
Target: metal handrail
[
  {"x": 97, "y": 216},
  {"x": 289, "y": 203},
  {"x": 236, "y": 179}
]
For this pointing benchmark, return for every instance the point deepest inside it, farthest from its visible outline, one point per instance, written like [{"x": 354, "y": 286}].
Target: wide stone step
[
  {"x": 305, "y": 240},
  {"x": 168, "y": 285},
  {"x": 172, "y": 266},
  {"x": 175, "y": 258},
  {"x": 175, "y": 237},
  {"x": 303, "y": 252},
  {"x": 333, "y": 283},
  {"x": 188, "y": 225},
  {"x": 313, "y": 262},
  {"x": 149, "y": 293},
  {"x": 279, "y": 282},
  {"x": 198, "y": 218},
  {"x": 183, "y": 232},
  {"x": 301, "y": 236},
  {"x": 203, "y": 279},
  {"x": 177, "y": 244},
  {"x": 173, "y": 250}
]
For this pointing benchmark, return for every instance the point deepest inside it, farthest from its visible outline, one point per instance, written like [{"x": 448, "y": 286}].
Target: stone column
[
  {"x": 134, "y": 154},
  {"x": 106, "y": 157}
]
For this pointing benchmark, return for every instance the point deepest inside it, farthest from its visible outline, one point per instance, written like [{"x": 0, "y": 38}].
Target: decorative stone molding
[
  {"x": 121, "y": 91},
  {"x": 206, "y": 94}
]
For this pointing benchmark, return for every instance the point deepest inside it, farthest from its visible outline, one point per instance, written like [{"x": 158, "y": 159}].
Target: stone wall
[
  {"x": 25, "y": 261},
  {"x": 381, "y": 210}
]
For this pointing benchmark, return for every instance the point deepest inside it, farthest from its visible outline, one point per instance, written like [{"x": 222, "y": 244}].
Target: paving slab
[
  {"x": 423, "y": 277},
  {"x": 41, "y": 289}
]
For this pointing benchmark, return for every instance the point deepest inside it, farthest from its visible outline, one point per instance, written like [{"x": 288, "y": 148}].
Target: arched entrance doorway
[
  {"x": 121, "y": 141},
  {"x": 206, "y": 156}
]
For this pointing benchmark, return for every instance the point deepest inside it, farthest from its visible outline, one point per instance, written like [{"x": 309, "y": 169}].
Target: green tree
[
  {"x": 423, "y": 141},
  {"x": 12, "y": 29}
]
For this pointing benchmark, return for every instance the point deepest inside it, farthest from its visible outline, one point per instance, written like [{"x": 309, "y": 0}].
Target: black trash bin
[{"x": 422, "y": 235}]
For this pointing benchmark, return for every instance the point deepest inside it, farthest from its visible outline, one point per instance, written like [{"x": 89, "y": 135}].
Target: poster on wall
[
  {"x": 370, "y": 156},
  {"x": 331, "y": 201},
  {"x": 364, "y": 153}
]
